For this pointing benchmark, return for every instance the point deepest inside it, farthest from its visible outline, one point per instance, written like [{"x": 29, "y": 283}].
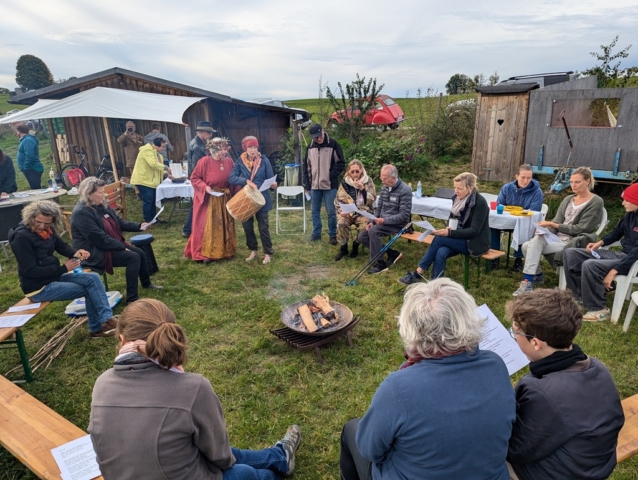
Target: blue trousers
[
  {"x": 147, "y": 195},
  {"x": 263, "y": 464},
  {"x": 328, "y": 198},
  {"x": 496, "y": 243},
  {"x": 87, "y": 285},
  {"x": 188, "y": 226},
  {"x": 440, "y": 250}
]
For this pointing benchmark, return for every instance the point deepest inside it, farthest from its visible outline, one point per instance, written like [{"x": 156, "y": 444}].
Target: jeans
[
  {"x": 352, "y": 465},
  {"x": 134, "y": 259},
  {"x": 34, "y": 178},
  {"x": 263, "y": 464},
  {"x": 440, "y": 250},
  {"x": 87, "y": 285},
  {"x": 264, "y": 232},
  {"x": 328, "y": 197},
  {"x": 188, "y": 226},
  {"x": 147, "y": 195},
  {"x": 496, "y": 242}
]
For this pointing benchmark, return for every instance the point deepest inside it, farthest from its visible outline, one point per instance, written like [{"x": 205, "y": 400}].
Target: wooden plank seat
[
  {"x": 13, "y": 335},
  {"x": 490, "y": 255},
  {"x": 29, "y": 430},
  {"x": 628, "y": 436}
]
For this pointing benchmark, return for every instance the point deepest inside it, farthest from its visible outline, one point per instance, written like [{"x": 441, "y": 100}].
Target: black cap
[{"x": 315, "y": 130}]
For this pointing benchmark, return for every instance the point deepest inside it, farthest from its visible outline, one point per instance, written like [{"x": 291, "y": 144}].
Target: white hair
[
  {"x": 390, "y": 170},
  {"x": 439, "y": 317}
]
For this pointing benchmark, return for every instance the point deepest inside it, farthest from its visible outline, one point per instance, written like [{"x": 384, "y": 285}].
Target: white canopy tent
[{"x": 110, "y": 103}]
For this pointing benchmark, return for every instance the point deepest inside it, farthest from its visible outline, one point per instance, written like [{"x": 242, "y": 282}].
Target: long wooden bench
[
  {"x": 628, "y": 437},
  {"x": 13, "y": 335},
  {"x": 29, "y": 430},
  {"x": 490, "y": 255}
]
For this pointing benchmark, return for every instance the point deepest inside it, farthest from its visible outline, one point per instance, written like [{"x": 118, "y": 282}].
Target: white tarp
[{"x": 110, "y": 103}]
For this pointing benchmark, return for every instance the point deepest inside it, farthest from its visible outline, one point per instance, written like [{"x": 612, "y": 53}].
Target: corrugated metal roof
[{"x": 507, "y": 89}]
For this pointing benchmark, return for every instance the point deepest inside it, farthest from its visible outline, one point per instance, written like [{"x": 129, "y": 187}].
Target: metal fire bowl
[{"x": 345, "y": 317}]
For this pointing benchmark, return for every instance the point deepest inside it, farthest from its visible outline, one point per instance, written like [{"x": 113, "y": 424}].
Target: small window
[
  {"x": 389, "y": 102},
  {"x": 586, "y": 113},
  {"x": 379, "y": 106}
]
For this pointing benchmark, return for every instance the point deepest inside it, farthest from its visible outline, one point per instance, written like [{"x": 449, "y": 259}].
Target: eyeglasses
[{"x": 513, "y": 334}]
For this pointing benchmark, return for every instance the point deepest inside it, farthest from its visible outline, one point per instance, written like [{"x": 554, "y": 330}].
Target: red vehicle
[{"x": 386, "y": 113}]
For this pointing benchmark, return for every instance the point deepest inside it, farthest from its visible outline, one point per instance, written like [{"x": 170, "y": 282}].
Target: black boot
[
  {"x": 355, "y": 250},
  {"x": 518, "y": 265},
  {"x": 342, "y": 253}
]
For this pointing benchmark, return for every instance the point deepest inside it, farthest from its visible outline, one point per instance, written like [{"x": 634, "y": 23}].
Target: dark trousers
[
  {"x": 134, "y": 260},
  {"x": 496, "y": 242},
  {"x": 34, "y": 178},
  {"x": 352, "y": 465},
  {"x": 188, "y": 226},
  {"x": 264, "y": 232},
  {"x": 373, "y": 238},
  {"x": 147, "y": 195}
]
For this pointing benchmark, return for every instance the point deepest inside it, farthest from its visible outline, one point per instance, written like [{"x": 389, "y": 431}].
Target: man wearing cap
[
  {"x": 590, "y": 271},
  {"x": 155, "y": 133},
  {"x": 131, "y": 142},
  {"x": 323, "y": 164},
  {"x": 196, "y": 151}
]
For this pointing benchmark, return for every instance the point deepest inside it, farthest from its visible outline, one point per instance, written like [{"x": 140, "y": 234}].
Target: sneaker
[
  {"x": 378, "y": 268},
  {"x": 394, "y": 258},
  {"x": 597, "y": 316},
  {"x": 152, "y": 286},
  {"x": 525, "y": 286},
  {"x": 266, "y": 260},
  {"x": 410, "y": 278},
  {"x": 333, "y": 240},
  {"x": 518, "y": 265},
  {"x": 186, "y": 235},
  {"x": 103, "y": 334},
  {"x": 251, "y": 257},
  {"x": 538, "y": 279},
  {"x": 290, "y": 444}
]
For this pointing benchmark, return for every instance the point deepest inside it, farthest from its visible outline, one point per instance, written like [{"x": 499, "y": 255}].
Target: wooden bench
[
  {"x": 628, "y": 436},
  {"x": 13, "y": 335},
  {"x": 29, "y": 430},
  {"x": 490, "y": 255}
]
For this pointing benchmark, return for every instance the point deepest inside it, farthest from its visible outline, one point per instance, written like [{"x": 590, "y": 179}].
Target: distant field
[{"x": 5, "y": 106}]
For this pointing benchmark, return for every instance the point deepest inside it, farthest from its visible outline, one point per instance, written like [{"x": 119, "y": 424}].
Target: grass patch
[{"x": 264, "y": 385}]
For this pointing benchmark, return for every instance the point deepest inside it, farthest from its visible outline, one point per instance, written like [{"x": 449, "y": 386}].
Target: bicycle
[{"x": 71, "y": 175}]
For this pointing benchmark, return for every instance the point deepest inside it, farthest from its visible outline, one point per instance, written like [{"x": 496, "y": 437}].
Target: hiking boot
[
  {"x": 410, "y": 278},
  {"x": 266, "y": 259},
  {"x": 525, "y": 286},
  {"x": 378, "y": 268},
  {"x": 251, "y": 257},
  {"x": 538, "y": 279},
  {"x": 354, "y": 253},
  {"x": 394, "y": 256},
  {"x": 342, "y": 253},
  {"x": 494, "y": 264},
  {"x": 597, "y": 316},
  {"x": 103, "y": 334},
  {"x": 152, "y": 286},
  {"x": 290, "y": 443},
  {"x": 518, "y": 265},
  {"x": 333, "y": 240},
  {"x": 314, "y": 238}
]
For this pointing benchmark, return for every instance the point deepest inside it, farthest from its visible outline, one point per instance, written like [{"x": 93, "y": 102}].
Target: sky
[{"x": 281, "y": 48}]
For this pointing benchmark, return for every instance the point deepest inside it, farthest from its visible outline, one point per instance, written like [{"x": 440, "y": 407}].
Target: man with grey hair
[
  {"x": 393, "y": 211},
  {"x": 131, "y": 142},
  {"x": 43, "y": 279}
]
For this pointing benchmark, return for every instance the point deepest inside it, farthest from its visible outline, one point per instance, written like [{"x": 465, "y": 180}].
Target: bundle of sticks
[{"x": 317, "y": 313}]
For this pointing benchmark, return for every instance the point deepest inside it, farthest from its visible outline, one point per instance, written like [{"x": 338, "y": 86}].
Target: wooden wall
[{"x": 499, "y": 136}]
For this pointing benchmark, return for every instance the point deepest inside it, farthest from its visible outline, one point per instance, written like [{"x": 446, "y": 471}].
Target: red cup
[{"x": 493, "y": 205}]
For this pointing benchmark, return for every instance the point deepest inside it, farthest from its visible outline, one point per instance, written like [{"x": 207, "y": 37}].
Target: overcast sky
[{"x": 279, "y": 48}]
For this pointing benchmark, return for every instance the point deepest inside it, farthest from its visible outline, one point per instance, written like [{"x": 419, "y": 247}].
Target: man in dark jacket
[
  {"x": 29, "y": 157},
  {"x": 568, "y": 411},
  {"x": 196, "y": 151},
  {"x": 43, "y": 279},
  {"x": 393, "y": 212},
  {"x": 8, "y": 183},
  {"x": 323, "y": 164},
  {"x": 590, "y": 271}
]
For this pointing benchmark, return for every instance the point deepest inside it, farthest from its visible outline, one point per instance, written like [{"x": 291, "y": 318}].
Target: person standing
[
  {"x": 323, "y": 164},
  {"x": 29, "y": 157},
  {"x": 155, "y": 133},
  {"x": 7, "y": 176},
  {"x": 197, "y": 150},
  {"x": 148, "y": 173},
  {"x": 131, "y": 142}
]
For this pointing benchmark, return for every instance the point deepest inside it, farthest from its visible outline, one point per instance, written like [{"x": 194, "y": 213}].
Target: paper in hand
[
  {"x": 154, "y": 218},
  {"x": 549, "y": 236},
  {"x": 267, "y": 183},
  {"x": 217, "y": 194},
  {"x": 348, "y": 208},
  {"x": 428, "y": 228}
]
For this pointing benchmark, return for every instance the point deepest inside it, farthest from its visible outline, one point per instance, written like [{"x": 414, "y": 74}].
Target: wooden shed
[
  {"x": 231, "y": 117},
  {"x": 499, "y": 131}
]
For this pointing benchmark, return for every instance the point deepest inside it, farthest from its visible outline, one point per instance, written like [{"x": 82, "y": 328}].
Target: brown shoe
[
  {"x": 111, "y": 324},
  {"x": 103, "y": 334}
]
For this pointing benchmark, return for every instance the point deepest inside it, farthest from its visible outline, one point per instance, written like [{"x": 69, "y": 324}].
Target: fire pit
[{"x": 291, "y": 318}]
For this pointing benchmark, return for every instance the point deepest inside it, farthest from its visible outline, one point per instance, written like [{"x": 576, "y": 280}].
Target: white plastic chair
[
  {"x": 290, "y": 192},
  {"x": 624, "y": 283},
  {"x": 544, "y": 210},
  {"x": 630, "y": 311},
  {"x": 489, "y": 197}
]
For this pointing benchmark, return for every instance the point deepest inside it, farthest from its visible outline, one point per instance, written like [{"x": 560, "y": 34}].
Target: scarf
[
  {"x": 46, "y": 233},
  {"x": 112, "y": 229},
  {"x": 557, "y": 361},
  {"x": 250, "y": 163},
  {"x": 463, "y": 207},
  {"x": 359, "y": 197},
  {"x": 414, "y": 357},
  {"x": 132, "y": 353}
]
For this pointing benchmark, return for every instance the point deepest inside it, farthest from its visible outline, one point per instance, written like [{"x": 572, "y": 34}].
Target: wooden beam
[
  {"x": 111, "y": 151},
  {"x": 54, "y": 145}
]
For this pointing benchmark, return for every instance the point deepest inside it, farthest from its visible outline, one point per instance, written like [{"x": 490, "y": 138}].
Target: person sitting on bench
[
  {"x": 151, "y": 419},
  {"x": 43, "y": 279},
  {"x": 568, "y": 412}
]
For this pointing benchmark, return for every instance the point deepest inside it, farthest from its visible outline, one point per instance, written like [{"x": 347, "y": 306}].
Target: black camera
[{"x": 129, "y": 129}]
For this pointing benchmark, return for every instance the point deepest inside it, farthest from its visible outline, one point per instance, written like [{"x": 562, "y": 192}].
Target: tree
[
  {"x": 353, "y": 105},
  {"x": 4, "y": 91},
  {"x": 611, "y": 74},
  {"x": 32, "y": 73},
  {"x": 494, "y": 78},
  {"x": 477, "y": 81},
  {"x": 458, "y": 83}
]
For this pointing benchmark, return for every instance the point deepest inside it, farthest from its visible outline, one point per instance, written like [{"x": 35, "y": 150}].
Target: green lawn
[{"x": 264, "y": 385}]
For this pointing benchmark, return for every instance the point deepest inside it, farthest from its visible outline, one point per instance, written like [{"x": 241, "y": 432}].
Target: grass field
[{"x": 227, "y": 309}]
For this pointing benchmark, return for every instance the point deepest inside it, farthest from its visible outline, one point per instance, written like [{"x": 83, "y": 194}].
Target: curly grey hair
[
  {"x": 88, "y": 187},
  {"x": 47, "y": 208},
  {"x": 439, "y": 317}
]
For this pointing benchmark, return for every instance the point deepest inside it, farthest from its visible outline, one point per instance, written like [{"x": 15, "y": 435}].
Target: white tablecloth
[
  {"x": 440, "y": 208},
  {"x": 168, "y": 189}
]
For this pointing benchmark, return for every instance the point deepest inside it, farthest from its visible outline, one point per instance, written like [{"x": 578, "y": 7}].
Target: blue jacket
[
  {"x": 29, "y": 154},
  {"x": 240, "y": 174},
  {"x": 530, "y": 197},
  {"x": 441, "y": 419}
]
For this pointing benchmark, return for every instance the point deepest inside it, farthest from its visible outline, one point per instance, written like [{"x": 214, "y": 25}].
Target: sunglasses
[{"x": 355, "y": 171}]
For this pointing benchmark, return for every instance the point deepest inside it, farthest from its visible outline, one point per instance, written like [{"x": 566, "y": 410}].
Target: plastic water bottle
[
  {"x": 78, "y": 270},
  {"x": 54, "y": 185},
  {"x": 419, "y": 193}
]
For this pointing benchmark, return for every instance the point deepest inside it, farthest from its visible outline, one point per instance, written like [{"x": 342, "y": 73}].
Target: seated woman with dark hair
[
  {"x": 448, "y": 411},
  {"x": 7, "y": 176},
  {"x": 151, "y": 419},
  {"x": 468, "y": 232},
  {"x": 95, "y": 227}
]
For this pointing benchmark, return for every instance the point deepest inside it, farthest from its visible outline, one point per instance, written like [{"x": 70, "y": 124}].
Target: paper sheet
[
  {"x": 267, "y": 183},
  {"x": 366, "y": 214},
  {"x": 76, "y": 460},
  {"x": 22, "y": 308},
  {"x": 154, "y": 218},
  {"x": 176, "y": 170},
  {"x": 428, "y": 228},
  {"x": 352, "y": 208},
  {"x": 8, "y": 321},
  {"x": 498, "y": 340},
  {"x": 549, "y": 236},
  {"x": 217, "y": 194}
]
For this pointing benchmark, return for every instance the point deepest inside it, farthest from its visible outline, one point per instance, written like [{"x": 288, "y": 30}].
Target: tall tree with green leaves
[
  {"x": 32, "y": 73},
  {"x": 458, "y": 83},
  {"x": 611, "y": 74}
]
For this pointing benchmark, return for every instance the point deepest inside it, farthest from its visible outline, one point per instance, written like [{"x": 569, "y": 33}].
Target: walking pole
[{"x": 378, "y": 255}]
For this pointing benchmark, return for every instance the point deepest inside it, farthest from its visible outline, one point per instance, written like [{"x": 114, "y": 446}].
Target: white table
[
  {"x": 168, "y": 189},
  {"x": 522, "y": 227}
]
